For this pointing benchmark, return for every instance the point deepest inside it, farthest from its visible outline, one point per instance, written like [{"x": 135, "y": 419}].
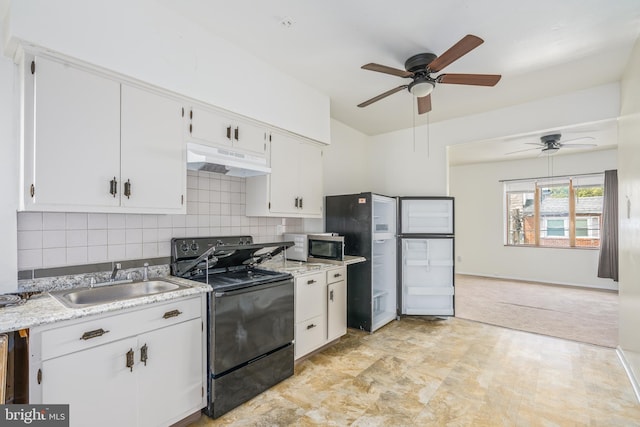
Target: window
[{"x": 558, "y": 212}]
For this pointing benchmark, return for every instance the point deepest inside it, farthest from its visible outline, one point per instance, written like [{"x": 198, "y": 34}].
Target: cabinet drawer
[
  {"x": 85, "y": 334},
  {"x": 310, "y": 335},
  {"x": 311, "y": 296},
  {"x": 336, "y": 274}
]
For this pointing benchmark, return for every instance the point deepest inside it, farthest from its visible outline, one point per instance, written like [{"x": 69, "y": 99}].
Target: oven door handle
[{"x": 254, "y": 288}]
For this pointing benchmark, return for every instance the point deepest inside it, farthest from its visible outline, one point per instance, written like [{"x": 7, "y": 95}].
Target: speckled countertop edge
[
  {"x": 297, "y": 268},
  {"x": 44, "y": 309}
]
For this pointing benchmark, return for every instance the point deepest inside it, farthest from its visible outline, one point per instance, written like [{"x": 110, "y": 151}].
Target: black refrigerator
[{"x": 368, "y": 223}]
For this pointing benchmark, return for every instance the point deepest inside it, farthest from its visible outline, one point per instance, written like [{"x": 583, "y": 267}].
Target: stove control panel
[{"x": 192, "y": 247}]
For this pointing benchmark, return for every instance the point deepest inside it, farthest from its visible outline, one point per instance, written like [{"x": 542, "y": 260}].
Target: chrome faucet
[
  {"x": 145, "y": 272},
  {"x": 114, "y": 273}
]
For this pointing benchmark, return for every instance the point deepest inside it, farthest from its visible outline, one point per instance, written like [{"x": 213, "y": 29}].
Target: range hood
[{"x": 225, "y": 161}]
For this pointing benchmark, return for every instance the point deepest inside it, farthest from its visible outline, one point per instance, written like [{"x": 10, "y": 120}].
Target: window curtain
[{"x": 608, "y": 263}]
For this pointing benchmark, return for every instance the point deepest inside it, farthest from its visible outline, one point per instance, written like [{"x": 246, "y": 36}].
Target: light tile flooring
[{"x": 422, "y": 372}]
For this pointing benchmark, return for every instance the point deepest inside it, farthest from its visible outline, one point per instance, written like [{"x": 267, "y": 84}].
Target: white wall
[
  {"x": 144, "y": 40},
  {"x": 629, "y": 203},
  {"x": 8, "y": 173},
  {"x": 345, "y": 161},
  {"x": 480, "y": 226},
  {"x": 414, "y": 162},
  {"x": 409, "y": 162}
]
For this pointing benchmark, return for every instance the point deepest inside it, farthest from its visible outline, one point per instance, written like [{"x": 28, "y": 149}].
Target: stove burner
[{"x": 10, "y": 300}]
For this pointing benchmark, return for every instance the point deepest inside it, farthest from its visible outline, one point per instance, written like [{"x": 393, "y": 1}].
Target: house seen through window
[{"x": 554, "y": 212}]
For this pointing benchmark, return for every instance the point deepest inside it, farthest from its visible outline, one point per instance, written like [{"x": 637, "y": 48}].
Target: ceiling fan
[
  {"x": 419, "y": 68},
  {"x": 550, "y": 144}
]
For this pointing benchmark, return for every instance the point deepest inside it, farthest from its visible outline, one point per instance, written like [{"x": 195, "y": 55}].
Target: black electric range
[{"x": 250, "y": 315}]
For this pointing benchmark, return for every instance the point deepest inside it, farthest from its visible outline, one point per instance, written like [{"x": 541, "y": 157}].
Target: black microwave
[{"x": 325, "y": 248}]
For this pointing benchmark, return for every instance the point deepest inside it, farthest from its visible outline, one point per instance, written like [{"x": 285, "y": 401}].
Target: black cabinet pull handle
[
  {"x": 296, "y": 202},
  {"x": 172, "y": 313},
  {"x": 113, "y": 187},
  {"x": 311, "y": 282},
  {"x": 331, "y": 295},
  {"x": 143, "y": 354},
  {"x": 130, "y": 360},
  {"x": 311, "y": 326},
  {"x": 93, "y": 334},
  {"x": 127, "y": 188},
  {"x": 229, "y": 132},
  {"x": 337, "y": 275},
  {"x": 300, "y": 202},
  {"x": 236, "y": 133}
]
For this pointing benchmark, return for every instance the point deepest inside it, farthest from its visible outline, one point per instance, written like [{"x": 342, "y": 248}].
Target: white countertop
[{"x": 42, "y": 309}]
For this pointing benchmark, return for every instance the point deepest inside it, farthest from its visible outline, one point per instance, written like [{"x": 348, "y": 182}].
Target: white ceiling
[
  {"x": 542, "y": 48},
  {"x": 603, "y": 134}
]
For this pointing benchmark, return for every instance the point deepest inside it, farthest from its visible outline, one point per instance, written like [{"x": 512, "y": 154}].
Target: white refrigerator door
[
  {"x": 427, "y": 277},
  {"x": 426, "y": 216}
]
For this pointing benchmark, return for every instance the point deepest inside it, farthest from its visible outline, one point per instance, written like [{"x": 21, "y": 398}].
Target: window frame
[{"x": 570, "y": 222}]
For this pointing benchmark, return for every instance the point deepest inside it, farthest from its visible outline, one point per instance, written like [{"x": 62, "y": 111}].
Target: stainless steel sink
[{"x": 86, "y": 297}]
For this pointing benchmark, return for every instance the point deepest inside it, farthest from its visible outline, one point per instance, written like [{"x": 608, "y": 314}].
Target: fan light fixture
[
  {"x": 550, "y": 150},
  {"x": 421, "y": 87}
]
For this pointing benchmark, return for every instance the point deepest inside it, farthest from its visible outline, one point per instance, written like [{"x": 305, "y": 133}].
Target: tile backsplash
[{"x": 215, "y": 206}]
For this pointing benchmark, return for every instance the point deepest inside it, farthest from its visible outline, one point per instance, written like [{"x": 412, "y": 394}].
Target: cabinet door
[
  {"x": 249, "y": 137},
  {"x": 310, "y": 294},
  {"x": 153, "y": 152},
  {"x": 209, "y": 126},
  {"x": 171, "y": 383},
  {"x": 72, "y": 136},
  {"x": 336, "y": 310},
  {"x": 284, "y": 175},
  {"x": 310, "y": 178},
  {"x": 96, "y": 383}
]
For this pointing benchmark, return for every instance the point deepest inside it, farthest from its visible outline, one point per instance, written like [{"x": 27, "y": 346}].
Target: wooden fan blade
[
  {"x": 470, "y": 79},
  {"x": 382, "y": 95},
  {"x": 424, "y": 104},
  {"x": 387, "y": 70},
  {"x": 464, "y": 46}
]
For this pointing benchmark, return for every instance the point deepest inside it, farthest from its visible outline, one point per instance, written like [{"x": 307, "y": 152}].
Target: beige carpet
[{"x": 578, "y": 314}]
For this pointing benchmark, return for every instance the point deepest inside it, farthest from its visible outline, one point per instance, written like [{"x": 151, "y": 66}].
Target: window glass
[{"x": 567, "y": 213}]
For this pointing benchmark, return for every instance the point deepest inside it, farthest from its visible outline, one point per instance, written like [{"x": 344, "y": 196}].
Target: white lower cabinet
[
  {"x": 140, "y": 368},
  {"x": 320, "y": 309},
  {"x": 336, "y": 303}
]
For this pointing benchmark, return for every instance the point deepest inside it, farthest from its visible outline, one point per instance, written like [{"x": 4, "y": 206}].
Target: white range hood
[{"x": 225, "y": 161}]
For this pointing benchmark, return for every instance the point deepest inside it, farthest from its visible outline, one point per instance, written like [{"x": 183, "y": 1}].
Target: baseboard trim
[
  {"x": 627, "y": 367},
  {"x": 542, "y": 282}
]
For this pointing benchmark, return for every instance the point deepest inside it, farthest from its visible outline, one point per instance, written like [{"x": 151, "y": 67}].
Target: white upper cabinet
[
  {"x": 152, "y": 155},
  {"x": 222, "y": 130},
  {"x": 90, "y": 141},
  {"x": 72, "y": 137},
  {"x": 294, "y": 187}
]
